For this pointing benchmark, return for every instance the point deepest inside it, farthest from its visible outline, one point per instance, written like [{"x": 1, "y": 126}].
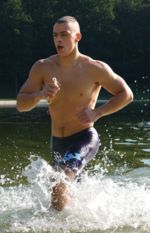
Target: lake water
[{"x": 113, "y": 195}]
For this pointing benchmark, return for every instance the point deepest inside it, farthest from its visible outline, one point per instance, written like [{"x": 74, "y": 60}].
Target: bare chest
[{"x": 74, "y": 81}]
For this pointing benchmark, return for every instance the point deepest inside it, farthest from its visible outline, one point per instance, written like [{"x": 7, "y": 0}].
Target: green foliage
[
  {"x": 132, "y": 19},
  {"x": 116, "y": 31}
]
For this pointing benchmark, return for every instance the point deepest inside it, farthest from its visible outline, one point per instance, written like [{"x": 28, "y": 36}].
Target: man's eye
[{"x": 63, "y": 35}]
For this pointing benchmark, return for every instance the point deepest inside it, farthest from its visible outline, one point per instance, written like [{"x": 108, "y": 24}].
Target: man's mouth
[{"x": 59, "y": 47}]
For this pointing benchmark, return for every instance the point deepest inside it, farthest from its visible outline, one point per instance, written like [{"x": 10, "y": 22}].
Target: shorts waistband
[{"x": 76, "y": 135}]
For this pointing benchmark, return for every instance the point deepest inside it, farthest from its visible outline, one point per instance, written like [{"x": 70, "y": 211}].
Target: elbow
[
  {"x": 129, "y": 96},
  {"x": 19, "y": 105},
  {"x": 19, "y": 108},
  {"x": 22, "y": 106}
]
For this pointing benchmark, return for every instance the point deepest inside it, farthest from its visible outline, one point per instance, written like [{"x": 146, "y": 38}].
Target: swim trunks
[{"x": 75, "y": 151}]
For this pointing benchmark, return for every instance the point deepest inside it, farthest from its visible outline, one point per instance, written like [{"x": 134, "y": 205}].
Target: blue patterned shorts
[{"x": 75, "y": 151}]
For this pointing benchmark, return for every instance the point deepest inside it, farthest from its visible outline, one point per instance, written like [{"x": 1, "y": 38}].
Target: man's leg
[
  {"x": 84, "y": 146},
  {"x": 60, "y": 192}
]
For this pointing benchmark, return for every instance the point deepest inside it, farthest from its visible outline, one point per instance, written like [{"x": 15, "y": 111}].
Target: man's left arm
[{"x": 115, "y": 85}]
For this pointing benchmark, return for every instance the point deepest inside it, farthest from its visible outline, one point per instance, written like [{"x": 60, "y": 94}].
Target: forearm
[
  {"x": 115, "y": 104},
  {"x": 27, "y": 101}
]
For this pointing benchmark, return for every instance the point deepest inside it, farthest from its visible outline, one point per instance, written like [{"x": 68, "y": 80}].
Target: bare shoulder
[
  {"x": 43, "y": 65},
  {"x": 103, "y": 74},
  {"x": 94, "y": 65},
  {"x": 38, "y": 73},
  {"x": 97, "y": 69}
]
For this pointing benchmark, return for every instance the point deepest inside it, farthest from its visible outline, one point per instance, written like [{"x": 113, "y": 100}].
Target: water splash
[{"x": 100, "y": 203}]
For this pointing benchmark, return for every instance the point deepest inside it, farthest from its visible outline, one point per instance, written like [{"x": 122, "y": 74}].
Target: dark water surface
[{"x": 114, "y": 193}]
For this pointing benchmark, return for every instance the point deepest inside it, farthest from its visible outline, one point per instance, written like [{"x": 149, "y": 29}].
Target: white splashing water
[{"x": 100, "y": 203}]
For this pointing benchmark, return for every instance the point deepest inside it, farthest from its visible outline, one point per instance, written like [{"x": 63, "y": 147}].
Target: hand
[
  {"x": 86, "y": 115},
  {"x": 50, "y": 90}
]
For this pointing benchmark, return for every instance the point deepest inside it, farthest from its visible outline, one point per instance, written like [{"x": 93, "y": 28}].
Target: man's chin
[{"x": 62, "y": 54}]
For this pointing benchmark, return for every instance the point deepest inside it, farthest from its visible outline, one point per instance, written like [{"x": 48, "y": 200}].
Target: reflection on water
[{"x": 112, "y": 196}]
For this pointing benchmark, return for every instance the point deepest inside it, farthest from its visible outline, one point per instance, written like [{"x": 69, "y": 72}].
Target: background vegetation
[{"x": 115, "y": 31}]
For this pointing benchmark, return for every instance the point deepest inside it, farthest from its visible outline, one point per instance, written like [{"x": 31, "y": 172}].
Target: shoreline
[
  {"x": 12, "y": 103},
  {"x": 42, "y": 103}
]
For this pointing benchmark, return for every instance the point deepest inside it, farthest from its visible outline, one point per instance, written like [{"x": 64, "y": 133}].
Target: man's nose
[{"x": 58, "y": 39}]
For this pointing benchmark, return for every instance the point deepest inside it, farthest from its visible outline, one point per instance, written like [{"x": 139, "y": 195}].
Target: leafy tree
[
  {"x": 115, "y": 31},
  {"x": 132, "y": 43},
  {"x": 15, "y": 29}
]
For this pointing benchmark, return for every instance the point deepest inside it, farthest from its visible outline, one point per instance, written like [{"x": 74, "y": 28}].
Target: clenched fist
[{"x": 50, "y": 90}]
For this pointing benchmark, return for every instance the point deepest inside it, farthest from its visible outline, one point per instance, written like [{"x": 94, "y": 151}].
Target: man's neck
[{"x": 69, "y": 60}]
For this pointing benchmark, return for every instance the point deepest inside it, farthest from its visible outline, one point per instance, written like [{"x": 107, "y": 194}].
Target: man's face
[{"x": 65, "y": 38}]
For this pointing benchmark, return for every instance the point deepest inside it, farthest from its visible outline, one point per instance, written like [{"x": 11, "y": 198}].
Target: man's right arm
[
  {"x": 29, "y": 94},
  {"x": 35, "y": 88}
]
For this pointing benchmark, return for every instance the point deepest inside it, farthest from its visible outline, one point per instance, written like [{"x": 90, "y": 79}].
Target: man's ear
[{"x": 78, "y": 36}]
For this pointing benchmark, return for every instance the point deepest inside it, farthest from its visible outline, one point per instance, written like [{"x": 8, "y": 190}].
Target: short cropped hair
[{"x": 68, "y": 19}]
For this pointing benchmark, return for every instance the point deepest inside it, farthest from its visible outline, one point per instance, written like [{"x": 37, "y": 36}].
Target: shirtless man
[{"x": 71, "y": 82}]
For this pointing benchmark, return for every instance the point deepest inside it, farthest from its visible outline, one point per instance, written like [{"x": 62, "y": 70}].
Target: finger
[
  {"x": 55, "y": 81},
  {"x": 80, "y": 114},
  {"x": 49, "y": 94},
  {"x": 84, "y": 121},
  {"x": 86, "y": 110},
  {"x": 83, "y": 118},
  {"x": 52, "y": 87},
  {"x": 83, "y": 111},
  {"x": 80, "y": 110}
]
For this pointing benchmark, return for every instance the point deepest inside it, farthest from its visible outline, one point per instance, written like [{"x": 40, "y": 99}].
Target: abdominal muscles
[
  {"x": 65, "y": 121},
  {"x": 65, "y": 108}
]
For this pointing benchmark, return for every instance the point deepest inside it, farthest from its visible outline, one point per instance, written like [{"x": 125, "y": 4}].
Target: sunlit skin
[{"x": 73, "y": 93}]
